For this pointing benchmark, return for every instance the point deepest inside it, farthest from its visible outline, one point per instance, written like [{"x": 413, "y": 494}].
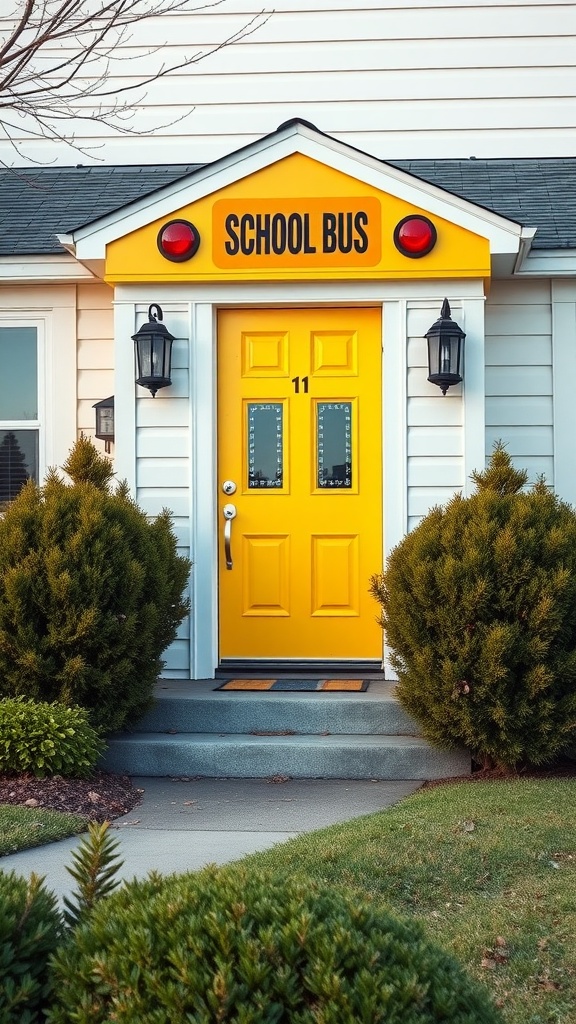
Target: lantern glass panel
[
  {"x": 144, "y": 356},
  {"x": 160, "y": 356},
  {"x": 444, "y": 353},
  {"x": 105, "y": 422}
]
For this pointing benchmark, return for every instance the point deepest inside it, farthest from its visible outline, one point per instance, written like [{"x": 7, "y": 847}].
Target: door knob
[{"x": 229, "y": 513}]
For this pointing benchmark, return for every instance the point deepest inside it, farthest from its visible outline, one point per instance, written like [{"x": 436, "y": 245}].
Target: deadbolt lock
[{"x": 228, "y": 487}]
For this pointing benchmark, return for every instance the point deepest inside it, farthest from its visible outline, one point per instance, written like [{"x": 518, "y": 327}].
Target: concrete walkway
[{"x": 181, "y": 825}]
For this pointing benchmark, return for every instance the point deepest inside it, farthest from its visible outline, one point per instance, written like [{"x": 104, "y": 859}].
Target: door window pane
[
  {"x": 265, "y": 445},
  {"x": 334, "y": 444},
  {"x": 19, "y": 373},
  {"x": 18, "y": 461}
]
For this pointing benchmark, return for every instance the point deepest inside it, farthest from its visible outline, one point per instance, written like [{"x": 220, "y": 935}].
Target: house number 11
[{"x": 296, "y": 383}]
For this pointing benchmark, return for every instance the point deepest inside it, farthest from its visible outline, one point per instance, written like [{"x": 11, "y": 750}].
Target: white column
[
  {"x": 124, "y": 392},
  {"x": 395, "y": 430},
  {"x": 204, "y": 646}
]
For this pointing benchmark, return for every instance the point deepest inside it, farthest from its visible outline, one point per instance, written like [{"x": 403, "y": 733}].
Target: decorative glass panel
[
  {"x": 19, "y": 373},
  {"x": 265, "y": 445},
  {"x": 334, "y": 444},
  {"x": 18, "y": 461}
]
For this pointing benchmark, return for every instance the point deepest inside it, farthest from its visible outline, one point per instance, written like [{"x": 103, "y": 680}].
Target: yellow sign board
[
  {"x": 296, "y": 219},
  {"x": 303, "y": 232}
]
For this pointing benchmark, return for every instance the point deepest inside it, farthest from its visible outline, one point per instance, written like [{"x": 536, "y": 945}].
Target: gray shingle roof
[
  {"x": 535, "y": 193},
  {"x": 38, "y": 203}
]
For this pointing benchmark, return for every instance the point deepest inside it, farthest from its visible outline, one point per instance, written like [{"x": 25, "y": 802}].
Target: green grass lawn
[
  {"x": 489, "y": 869},
  {"x": 22, "y": 827}
]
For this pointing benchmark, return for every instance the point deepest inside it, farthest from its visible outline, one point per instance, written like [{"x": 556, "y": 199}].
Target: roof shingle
[{"x": 38, "y": 203}]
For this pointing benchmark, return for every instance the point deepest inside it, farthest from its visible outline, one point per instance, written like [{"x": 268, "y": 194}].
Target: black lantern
[
  {"x": 153, "y": 345},
  {"x": 105, "y": 421},
  {"x": 445, "y": 342}
]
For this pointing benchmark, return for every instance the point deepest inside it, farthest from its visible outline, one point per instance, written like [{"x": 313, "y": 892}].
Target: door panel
[{"x": 300, "y": 434}]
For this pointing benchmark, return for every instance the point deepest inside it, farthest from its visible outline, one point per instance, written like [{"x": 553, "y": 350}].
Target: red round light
[
  {"x": 178, "y": 240},
  {"x": 415, "y": 236}
]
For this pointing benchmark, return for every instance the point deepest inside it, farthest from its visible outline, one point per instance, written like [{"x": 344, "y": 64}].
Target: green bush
[
  {"x": 479, "y": 609},
  {"x": 46, "y": 739},
  {"x": 30, "y": 931},
  {"x": 249, "y": 947},
  {"x": 90, "y": 593}
]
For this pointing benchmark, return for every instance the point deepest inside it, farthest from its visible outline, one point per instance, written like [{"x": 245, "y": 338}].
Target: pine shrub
[
  {"x": 479, "y": 610},
  {"x": 95, "y": 867},
  {"x": 90, "y": 593},
  {"x": 46, "y": 739},
  {"x": 249, "y": 947},
  {"x": 30, "y": 931}
]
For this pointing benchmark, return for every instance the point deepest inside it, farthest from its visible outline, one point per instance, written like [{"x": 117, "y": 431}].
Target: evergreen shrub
[
  {"x": 90, "y": 593},
  {"x": 46, "y": 739},
  {"x": 236, "y": 945},
  {"x": 31, "y": 929},
  {"x": 479, "y": 610}
]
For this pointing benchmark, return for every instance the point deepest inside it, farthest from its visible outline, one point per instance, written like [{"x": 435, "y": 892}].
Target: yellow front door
[{"x": 300, "y": 472}]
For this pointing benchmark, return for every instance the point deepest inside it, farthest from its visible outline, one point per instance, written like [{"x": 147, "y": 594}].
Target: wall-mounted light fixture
[
  {"x": 445, "y": 346},
  {"x": 153, "y": 347},
  {"x": 105, "y": 421}
]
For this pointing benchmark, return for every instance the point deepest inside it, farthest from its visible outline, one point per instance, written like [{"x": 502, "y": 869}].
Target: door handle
[{"x": 229, "y": 512}]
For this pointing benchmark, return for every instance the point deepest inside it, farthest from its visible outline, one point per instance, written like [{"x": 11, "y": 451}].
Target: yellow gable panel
[{"x": 297, "y": 219}]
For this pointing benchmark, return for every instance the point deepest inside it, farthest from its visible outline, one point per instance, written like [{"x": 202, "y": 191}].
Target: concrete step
[
  {"x": 200, "y": 709},
  {"x": 302, "y": 756},
  {"x": 195, "y": 729}
]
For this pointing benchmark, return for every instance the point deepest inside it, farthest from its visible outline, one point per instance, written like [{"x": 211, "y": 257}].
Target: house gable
[
  {"x": 278, "y": 176},
  {"x": 297, "y": 218}
]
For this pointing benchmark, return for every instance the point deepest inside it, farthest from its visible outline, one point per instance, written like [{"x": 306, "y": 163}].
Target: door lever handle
[{"x": 229, "y": 513}]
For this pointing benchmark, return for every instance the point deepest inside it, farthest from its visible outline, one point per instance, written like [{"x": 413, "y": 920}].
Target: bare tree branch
[{"x": 58, "y": 54}]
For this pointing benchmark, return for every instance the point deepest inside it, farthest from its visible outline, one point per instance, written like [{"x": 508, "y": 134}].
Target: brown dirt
[
  {"x": 102, "y": 797},
  {"x": 565, "y": 768}
]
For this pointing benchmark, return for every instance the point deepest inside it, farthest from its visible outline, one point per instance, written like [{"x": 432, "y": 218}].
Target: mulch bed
[
  {"x": 106, "y": 796},
  {"x": 102, "y": 797}
]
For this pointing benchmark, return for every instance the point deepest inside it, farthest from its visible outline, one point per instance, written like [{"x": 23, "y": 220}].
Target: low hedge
[
  {"x": 30, "y": 930},
  {"x": 46, "y": 739},
  {"x": 236, "y": 945}
]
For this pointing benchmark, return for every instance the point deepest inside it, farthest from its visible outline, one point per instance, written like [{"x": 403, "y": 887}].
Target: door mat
[{"x": 318, "y": 685}]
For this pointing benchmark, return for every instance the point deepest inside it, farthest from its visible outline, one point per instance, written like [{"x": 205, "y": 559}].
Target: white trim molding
[
  {"x": 89, "y": 242},
  {"x": 202, "y": 303}
]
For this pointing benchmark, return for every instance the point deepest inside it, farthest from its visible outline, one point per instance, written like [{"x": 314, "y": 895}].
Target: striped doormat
[{"x": 317, "y": 685}]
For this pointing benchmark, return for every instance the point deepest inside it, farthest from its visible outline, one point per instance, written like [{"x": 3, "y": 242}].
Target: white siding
[
  {"x": 95, "y": 360},
  {"x": 435, "y": 452},
  {"x": 420, "y": 78},
  {"x": 163, "y": 459},
  {"x": 519, "y": 402},
  {"x": 564, "y": 359}
]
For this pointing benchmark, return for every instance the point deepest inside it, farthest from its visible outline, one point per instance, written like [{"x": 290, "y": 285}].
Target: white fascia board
[
  {"x": 503, "y": 234},
  {"x": 549, "y": 263},
  {"x": 90, "y": 241},
  {"x": 49, "y": 269}
]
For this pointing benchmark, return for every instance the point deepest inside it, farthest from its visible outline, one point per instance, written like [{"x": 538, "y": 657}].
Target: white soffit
[{"x": 90, "y": 240}]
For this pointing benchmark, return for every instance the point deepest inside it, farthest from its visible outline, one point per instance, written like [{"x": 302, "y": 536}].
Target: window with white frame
[{"x": 19, "y": 408}]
